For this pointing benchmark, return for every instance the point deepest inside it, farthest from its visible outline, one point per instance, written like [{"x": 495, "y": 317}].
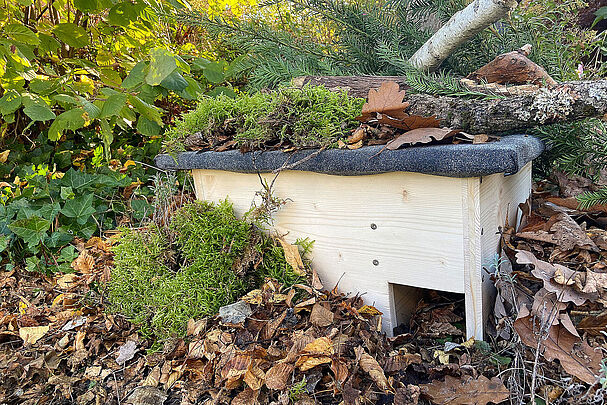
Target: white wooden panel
[
  {"x": 473, "y": 284},
  {"x": 500, "y": 197},
  {"x": 418, "y": 240}
]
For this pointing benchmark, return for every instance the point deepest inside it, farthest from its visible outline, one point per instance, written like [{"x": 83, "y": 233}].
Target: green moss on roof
[{"x": 309, "y": 117}]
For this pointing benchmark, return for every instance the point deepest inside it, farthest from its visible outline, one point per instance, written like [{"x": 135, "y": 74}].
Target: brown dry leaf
[
  {"x": 246, "y": 397},
  {"x": 387, "y": 99},
  {"x": 372, "y": 367},
  {"x": 356, "y": 145},
  {"x": 321, "y": 316},
  {"x": 594, "y": 325},
  {"x": 84, "y": 263},
  {"x": 358, "y": 135},
  {"x": 316, "y": 283},
  {"x": 340, "y": 371},
  {"x": 420, "y": 135},
  {"x": 67, "y": 281},
  {"x": 315, "y": 353},
  {"x": 235, "y": 369},
  {"x": 255, "y": 377},
  {"x": 546, "y": 272},
  {"x": 401, "y": 362},
  {"x": 293, "y": 257},
  {"x": 480, "y": 138},
  {"x": 195, "y": 327},
  {"x": 466, "y": 391},
  {"x": 568, "y": 234},
  {"x": 408, "y": 395},
  {"x": 4, "y": 155},
  {"x": 591, "y": 282},
  {"x": 31, "y": 334},
  {"x": 278, "y": 376},
  {"x": 575, "y": 355}
]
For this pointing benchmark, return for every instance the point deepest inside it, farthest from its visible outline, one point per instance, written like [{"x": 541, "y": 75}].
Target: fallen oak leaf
[
  {"x": 421, "y": 135},
  {"x": 575, "y": 355},
  {"x": 455, "y": 391},
  {"x": 387, "y": 99}
]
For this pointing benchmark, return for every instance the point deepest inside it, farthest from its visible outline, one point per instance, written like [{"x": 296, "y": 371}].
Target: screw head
[
  {"x": 376, "y": 262},
  {"x": 373, "y": 226}
]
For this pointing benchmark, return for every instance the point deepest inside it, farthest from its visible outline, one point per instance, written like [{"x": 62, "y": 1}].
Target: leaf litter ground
[{"x": 311, "y": 344}]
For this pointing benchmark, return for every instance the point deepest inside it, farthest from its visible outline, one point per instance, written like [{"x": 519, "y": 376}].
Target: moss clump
[
  {"x": 309, "y": 117},
  {"x": 215, "y": 258}
]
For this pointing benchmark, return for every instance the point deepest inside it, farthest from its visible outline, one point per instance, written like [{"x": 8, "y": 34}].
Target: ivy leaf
[
  {"x": 80, "y": 208},
  {"x": 76, "y": 179},
  {"x": 162, "y": 64},
  {"x": 10, "y": 102},
  {"x": 135, "y": 76},
  {"x": 4, "y": 241},
  {"x": 113, "y": 105},
  {"x": 32, "y": 230},
  {"x": 39, "y": 112},
  {"x": 175, "y": 81},
  {"x": 70, "y": 120},
  {"x": 71, "y": 34},
  {"x": 21, "y": 33}
]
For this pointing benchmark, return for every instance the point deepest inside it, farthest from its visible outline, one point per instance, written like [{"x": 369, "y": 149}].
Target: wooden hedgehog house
[{"x": 388, "y": 224}]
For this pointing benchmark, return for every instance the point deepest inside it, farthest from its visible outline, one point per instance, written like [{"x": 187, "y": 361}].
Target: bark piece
[
  {"x": 565, "y": 102},
  {"x": 513, "y": 68}
]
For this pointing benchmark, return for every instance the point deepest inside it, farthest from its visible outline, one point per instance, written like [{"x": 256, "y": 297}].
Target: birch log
[
  {"x": 462, "y": 26},
  {"x": 565, "y": 102}
]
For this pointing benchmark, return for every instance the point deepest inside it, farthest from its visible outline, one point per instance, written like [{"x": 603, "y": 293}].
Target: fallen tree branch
[
  {"x": 565, "y": 102},
  {"x": 461, "y": 27}
]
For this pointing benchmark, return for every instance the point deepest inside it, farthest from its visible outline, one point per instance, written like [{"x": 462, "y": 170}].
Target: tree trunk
[
  {"x": 357, "y": 86},
  {"x": 565, "y": 102},
  {"x": 462, "y": 26}
]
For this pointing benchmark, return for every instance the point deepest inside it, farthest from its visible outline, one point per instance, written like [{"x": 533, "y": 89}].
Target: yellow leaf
[
  {"x": 22, "y": 307},
  {"x": 58, "y": 299},
  {"x": 4, "y": 156},
  {"x": 292, "y": 257},
  {"x": 468, "y": 343},
  {"x": 369, "y": 310},
  {"x": 307, "y": 362},
  {"x": 31, "y": 334},
  {"x": 253, "y": 297},
  {"x": 443, "y": 357}
]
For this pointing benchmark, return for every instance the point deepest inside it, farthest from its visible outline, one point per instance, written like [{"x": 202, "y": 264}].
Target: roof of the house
[{"x": 508, "y": 155}]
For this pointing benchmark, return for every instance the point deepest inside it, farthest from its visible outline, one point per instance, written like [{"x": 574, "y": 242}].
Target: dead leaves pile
[
  {"x": 277, "y": 345},
  {"x": 554, "y": 286}
]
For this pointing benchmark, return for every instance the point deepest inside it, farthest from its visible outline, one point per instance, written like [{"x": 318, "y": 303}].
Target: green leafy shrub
[
  {"x": 208, "y": 258},
  {"x": 309, "y": 117}
]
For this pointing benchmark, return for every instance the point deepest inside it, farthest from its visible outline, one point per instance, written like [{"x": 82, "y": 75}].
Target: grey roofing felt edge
[{"x": 507, "y": 155}]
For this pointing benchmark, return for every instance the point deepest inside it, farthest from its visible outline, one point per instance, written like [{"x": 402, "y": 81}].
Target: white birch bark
[{"x": 462, "y": 26}]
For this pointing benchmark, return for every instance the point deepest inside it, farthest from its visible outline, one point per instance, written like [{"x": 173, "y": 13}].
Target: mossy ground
[
  {"x": 309, "y": 117},
  {"x": 213, "y": 260}
]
